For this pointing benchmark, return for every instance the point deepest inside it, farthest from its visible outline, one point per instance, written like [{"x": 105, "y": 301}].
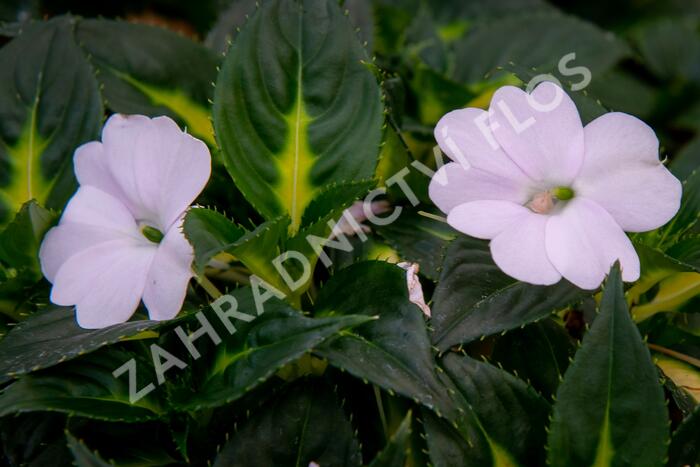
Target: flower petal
[
  {"x": 91, "y": 169},
  {"x": 453, "y": 185},
  {"x": 160, "y": 168},
  {"x": 520, "y": 251},
  {"x": 104, "y": 282},
  {"x": 541, "y": 132},
  {"x": 93, "y": 207},
  {"x": 170, "y": 273},
  {"x": 62, "y": 242},
  {"x": 485, "y": 219},
  {"x": 583, "y": 242},
  {"x": 622, "y": 173},
  {"x": 466, "y": 137}
]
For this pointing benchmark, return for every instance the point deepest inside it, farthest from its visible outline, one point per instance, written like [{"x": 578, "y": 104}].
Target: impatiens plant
[{"x": 371, "y": 232}]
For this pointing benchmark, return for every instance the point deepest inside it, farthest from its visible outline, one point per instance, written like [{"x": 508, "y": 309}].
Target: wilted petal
[
  {"x": 415, "y": 289},
  {"x": 622, "y": 173},
  {"x": 465, "y": 136},
  {"x": 160, "y": 168},
  {"x": 166, "y": 284},
  {"x": 453, "y": 185},
  {"x": 520, "y": 251},
  {"x": 583, "y": 242},
  {"x": 104, "y": 282},
  {"x": 485, "y": 219},
  {"x": 543, "y": 138}
]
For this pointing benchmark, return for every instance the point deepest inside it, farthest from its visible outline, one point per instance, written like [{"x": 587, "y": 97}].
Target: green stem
[
  {"x": 382, "y": 415},
  {"x": 434, "y": 217},
  {"x": 208, "y": 286},
  {"x": 677, "y": 355}
]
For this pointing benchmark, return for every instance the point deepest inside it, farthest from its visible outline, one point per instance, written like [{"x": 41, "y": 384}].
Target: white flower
[
  {"x": 119, "y": 240},
  {"x": 553, "y": 197}
]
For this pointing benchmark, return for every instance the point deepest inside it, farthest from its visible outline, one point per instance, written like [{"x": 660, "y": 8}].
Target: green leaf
[
  {"x": 392, "y": 352},
  {"x": 535, "y": 40},
  {"x": 447, "y": 447},
  {"x": 258, "y": 248},
  {"x": 475, "y": 299},
  {"x": 538, "y": 353},
  {"x": 210, "y": 233},
  {"x": 610, "y": 408},
  {"x": 670, "y": 48},
  {"x": 20, "y": 240},
  {"x": 324, "y": 211},
  {"x": 296, "y": 108},
  {"x": 685, "y": 449},
  {"x": 419, "y": 239},
  {"x": 50, "y": 104},
  {"x": 83, "y": 456},
  {"x": 330, "y": 202},
  {"x": 685, "y": 219},
  {"x": 152, "y": 71},
  {"x": 687, "y": 159},
  {"x": 511, "y": 415},
  {"x": 687, "y": 251},
  {"x": 257, "y": 349},
  {"x": 230, "y": 20},
  {"x": 84, "y": 387},
  {"x": 52, "y": 336},
  {"x": 396, "y": 451},
  {"x": 34, "y": 439},
  {"x": 305, "y": 424},
  {"x": 96, "y": 443}
]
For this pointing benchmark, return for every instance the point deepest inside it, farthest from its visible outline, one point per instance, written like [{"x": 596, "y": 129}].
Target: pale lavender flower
[
  {"x": 555, "y": 198},
  {"x": 119, "y": 240}
]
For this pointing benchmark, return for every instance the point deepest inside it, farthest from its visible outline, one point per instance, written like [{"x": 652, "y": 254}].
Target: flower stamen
[{"x": 544, "y": 202}]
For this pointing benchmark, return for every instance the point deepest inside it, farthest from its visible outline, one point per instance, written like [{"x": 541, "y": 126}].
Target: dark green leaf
[
  {"x": 686, "y": 160},
  {"x": 538, "y": 353},
  {"x": 670, "y": 47},
  {"x": 610, "y": 408},
  {"x": 50, "y": 104},
  {"x": 687, "y": 251},
  {"x": 234, "y": 17},
  {"x": 152, "y": 71},
  {"x": 83, "y": 456},
  {"x": 257, "y": 349},
  {"x": 419, "y": 239},
  {"x": 474, "y": 298},
  {"x": 332, "y": 200},
  {"x": 53, "y": 336},
  {"x": 511, "y": 415},
  {"x": 84, "y": 387},
  {"x": 685, "y": 448},
  {"x": 296, "y": 108},
  {"x": 394, "y": 351},
  {"x": 34, "y": 440},
  {"x": 209, "y": 233},
  {"x": 395, "y": 453},
  {"x": 535, "y": 40},
  {"x": 20, "y": 240},
  {"x": 304, "y": 425},
  {"x": 447, "y": 447},
  {"x": 687, "y": 216}
]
